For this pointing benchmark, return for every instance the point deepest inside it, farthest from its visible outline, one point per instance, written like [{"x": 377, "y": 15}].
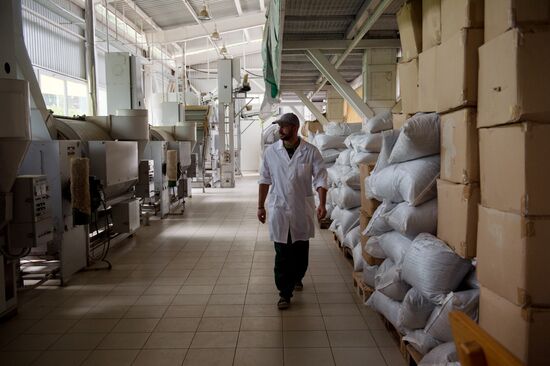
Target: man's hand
[
  {"x": 321, "y": 212},
  {"x": 261, "y": 215}
]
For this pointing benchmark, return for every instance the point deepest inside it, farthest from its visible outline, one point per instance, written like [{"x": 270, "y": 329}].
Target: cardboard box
[
  {"x": 431, "y": 23},
  {"x": 514, "y": 168},
  {"x": 457, "y": 216},
  {"x": 399, "y": 120},
  {"x": 457, "y": 67},
  {"x": 368, "y": 205},
  {"x": 459, "y": 146},
  {"x": 427, "y": 86},
  {"x": 459, "y": 14},
  {"x": 513, "y": 256},
  {"x": 409, "y": 22},
  {"x": 523, "y": 331},
  {"x": 408, "y": 83},
  {"x": 514, "y": 82},
  {"x": 502, "y": 15}
]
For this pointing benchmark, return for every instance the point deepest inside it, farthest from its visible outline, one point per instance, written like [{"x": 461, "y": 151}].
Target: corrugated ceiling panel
[{"x": 322, "y": 7}]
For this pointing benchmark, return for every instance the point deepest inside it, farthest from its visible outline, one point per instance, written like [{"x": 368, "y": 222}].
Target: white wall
[{"x": 250, "y": 149}]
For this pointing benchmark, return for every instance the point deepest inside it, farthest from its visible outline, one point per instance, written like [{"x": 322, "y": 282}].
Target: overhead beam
[
  {"x": 297, "y": 112},
  {"x": 312, "y": 108},
  {"x": 341, "y": 44},
  {"x": 190, "y": 32},
  {"x": 239, "y": 7},
  {"x": 371, "y": 20},
  {"x": 337, "y": 81},
  {"x": 202, "y": 26}
]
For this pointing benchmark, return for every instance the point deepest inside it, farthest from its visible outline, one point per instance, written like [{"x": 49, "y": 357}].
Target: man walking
[{"x": 291, "y": 166}]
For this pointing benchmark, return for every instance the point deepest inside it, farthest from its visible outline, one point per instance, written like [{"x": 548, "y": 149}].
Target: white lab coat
[{"x": 291, "y": 204}]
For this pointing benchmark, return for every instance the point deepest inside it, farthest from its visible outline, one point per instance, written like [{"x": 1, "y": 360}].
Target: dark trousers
[{"x": 291, "y": 260}]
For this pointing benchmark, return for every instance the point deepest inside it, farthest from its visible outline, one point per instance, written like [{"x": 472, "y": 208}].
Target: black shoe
[
  {"x": 299, "y": 286},
  {"x": 283, "y": 303}
]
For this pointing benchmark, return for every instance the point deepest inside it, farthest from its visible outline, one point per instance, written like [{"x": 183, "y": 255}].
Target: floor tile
[
  {"x": 191, "y": 299},
  {"x": 65, "y": 358},
  {"x": 135, "y": 326},
  {"x": 111, "y": 358},
  {"x": 308, "y": 357},
  {"x": 196, "y": 289},
  {"x": 226, "y": 299},
  {"x": 215, "y": 340},
  {"x": 164, "y": 357},
  {"x": 392, "y": 356},
  {"x": 309, "y": 338},
  {"x": 358, "y": 357},
  {"x": 350, "y": 338},
  {"x": 223, "y": 324},
  {"x": 124, "y": 341},
  {"x": 303, "y": 323},
  {"x": 260, "y": 339},
  {"x": 205, "y": 357},
  {"x": 94, "y": 326},
  {"x": 18, "y": 358},
  {"x": 267, "y": 323},
  {"x": 169, "y": 340},
  {"x": 32, "y": 342},
  {"x": 78, "y": 341},
  {"x": 214, "y": 310},
  {"x": 343, "y": 322},
  {"x": 146, "y": 311},
  {"x": 184, "y": 311},
  {"x": 258, "y": 356}
]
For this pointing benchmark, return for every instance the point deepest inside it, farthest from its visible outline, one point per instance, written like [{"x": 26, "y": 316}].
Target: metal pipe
[
  {"x": 91, "y": 75},
  {"x": 377, "y": 13}
]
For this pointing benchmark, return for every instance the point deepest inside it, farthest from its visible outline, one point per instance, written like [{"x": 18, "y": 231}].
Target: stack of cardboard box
[
  {"x": 456, "y": 71},
  {"x": 368, "y": 206},
  {"x": 514, "y": 215}
]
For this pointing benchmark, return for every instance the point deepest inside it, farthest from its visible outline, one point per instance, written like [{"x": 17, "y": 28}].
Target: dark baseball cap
[{"x": 288, "y": 118}]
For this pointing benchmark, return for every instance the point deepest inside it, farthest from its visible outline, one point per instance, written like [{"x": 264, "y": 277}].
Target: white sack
[
  {"x": 388, "y": 281},
  {"x": 441, "y": 355},
  {"x": 385, "y": 306},
  {"x": 344, "y": 157},
  {"x": 412, "y": 181},
  {"x": 471, "y": 281},
  {"x": 373, "y": 248},
  {"x": 349, "y": 219},
  {"x": 364, "y": 142},
  {"x": 325, "y": 141},
  {"x": 411, "y": 221},
  {"x": 394, "y": 246},
  {"x": 348, "y": 198},
  {"x": 388, "y": 141},
  {"x": 415, "y": 310},
  {"x": 352, "y": 238},
  {"x": 340, "y": 235},
  {"x": 419, "y": 138},
  {"x": 329, "y": 207},
  {"x": 377, "y": 224},
  {"x": 381, "y": 122},
  {"x": 438, "y": 325},
  {"x": 433, "y": 268},
  {"x": 352, "y": 179},
  {"x": 357, "y": 253},
  {"x": 421, "y": 341},
  {"x": 369, "y": 273},
  {"x": 336, "y": 172},
  {"x": 357, "y": 158},
  {"x": 330, "y": 155},
  {"x": 335, "y": 216}
]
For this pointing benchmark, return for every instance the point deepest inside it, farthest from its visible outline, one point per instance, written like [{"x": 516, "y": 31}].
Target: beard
[{"x": 284, "y": 137}]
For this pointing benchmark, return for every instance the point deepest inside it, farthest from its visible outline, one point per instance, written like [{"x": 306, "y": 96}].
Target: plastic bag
[
  {"x": 325, "y": 141},
  {"x": 412, "y": 181},
  {"x": 381, "y": 122},
  {"x": 438, "y": 325},
  {"x": 369, "y": 273},
  {"x": 388, "y": 281},
  {"x": 377, "y": 224},
  {"x": 348, "y": 198},
  {"x": 352, "y": 238},
  {"x": 419, "y": 138},
  {"x": 394, "y": 246},
  {"x": 441, "y": 355},
  {"x": 357, "y": 254},
  {"x": 415, "y": 310},
  {"x": 433, "y": 268},
  {"x": 411, "y": 221},
  {"x": 387, "y": 307},
  {"x": 421, "y": 341}
]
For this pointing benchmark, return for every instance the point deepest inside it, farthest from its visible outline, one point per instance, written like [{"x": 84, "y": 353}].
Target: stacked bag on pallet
[
  {"x": 345, "y": 192},
  {"x": 420, "y": 279}
]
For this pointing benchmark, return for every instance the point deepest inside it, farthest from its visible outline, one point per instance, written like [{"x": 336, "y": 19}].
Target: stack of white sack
[
  {"x": 344, "y": 177},
  {"x": 419, "y": 281}
]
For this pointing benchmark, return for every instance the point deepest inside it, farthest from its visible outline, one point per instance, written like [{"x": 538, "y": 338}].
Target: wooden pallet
[
  {"x": 361, "y": 288},
  {"x": 412, "y": 356}
]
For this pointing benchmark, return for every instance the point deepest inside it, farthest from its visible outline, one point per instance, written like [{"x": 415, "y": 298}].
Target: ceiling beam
[
  {"x": 337, "y": 81},
  {"x": 201, "y": 25},
  {"x": 340, "y": 44},
  {"x": 312, "y": 108},
  {"x": 239, "y": 7},
  {"x": 190, "y": 32}
]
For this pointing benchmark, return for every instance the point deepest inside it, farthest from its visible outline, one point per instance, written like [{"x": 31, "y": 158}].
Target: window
[
  {"x": 53, "y": 90},
  {"x": 77, "y": 98}
]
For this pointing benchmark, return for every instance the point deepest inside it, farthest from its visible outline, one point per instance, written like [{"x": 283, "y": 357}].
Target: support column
[
  {"x": 337, "y": 81},
  {"x": 312, "y": 108},
  {"x": 91, "y": 75}
]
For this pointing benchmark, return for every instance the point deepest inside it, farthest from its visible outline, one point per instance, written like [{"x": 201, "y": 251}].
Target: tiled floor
[{"x": 198, "y": 289}]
